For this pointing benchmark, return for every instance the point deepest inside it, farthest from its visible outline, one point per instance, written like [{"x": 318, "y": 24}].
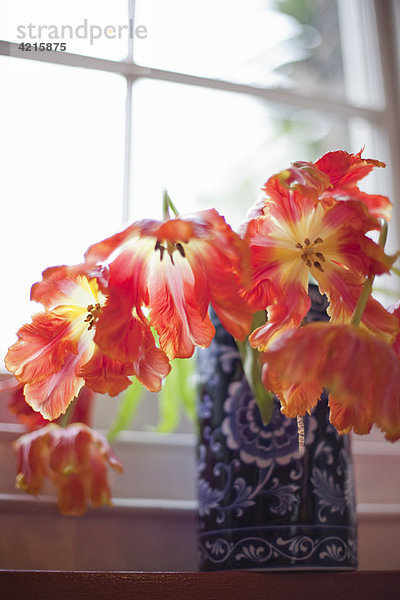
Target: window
[{"x": 204, "y": 98}]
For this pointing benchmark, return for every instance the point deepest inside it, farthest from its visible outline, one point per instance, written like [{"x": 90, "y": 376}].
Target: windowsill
[{"x": 152, "y": 525}]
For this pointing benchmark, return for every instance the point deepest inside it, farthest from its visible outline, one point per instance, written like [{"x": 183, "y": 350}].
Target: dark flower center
[
  {"x": 310, "y": 255},
  {"x": 170, "y": 248},
  {"x": 94, "y": 311}
]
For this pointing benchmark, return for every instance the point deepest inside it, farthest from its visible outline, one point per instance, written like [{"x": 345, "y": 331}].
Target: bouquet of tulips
[{"x": 140, "y": 300}]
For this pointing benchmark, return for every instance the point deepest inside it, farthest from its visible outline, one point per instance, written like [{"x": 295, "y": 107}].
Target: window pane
[
  {"x": 90, "y": 27},
  {"x": 287, "y": 43},
  {"x": 62, "y": 175},
  {"x": 216, "y": 149}
]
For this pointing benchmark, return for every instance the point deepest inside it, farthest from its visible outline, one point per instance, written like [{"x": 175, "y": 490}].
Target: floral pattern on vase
[{"x": 263, "y": 505}]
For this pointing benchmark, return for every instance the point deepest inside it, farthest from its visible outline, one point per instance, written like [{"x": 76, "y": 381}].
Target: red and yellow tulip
[
  {"x": 172, "y": 270},
  {"x": 56, "y": 355}
]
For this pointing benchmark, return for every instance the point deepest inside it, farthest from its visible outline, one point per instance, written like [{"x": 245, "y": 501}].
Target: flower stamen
[
  {"x": 317, "y": 265},
  {"x": 170, "y": 248},
  {"x": 92, "y": 317},
  {"x": 309, "y": 256}
]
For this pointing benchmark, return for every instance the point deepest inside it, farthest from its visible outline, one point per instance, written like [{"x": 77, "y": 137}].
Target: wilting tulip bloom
[
  {"x": 172, "y": 271},
  {"x": 360, "y": 371},
  {"x": 295, "y": 237},
  {"x": 55, "y": 355},
  {"x": 74, "y": 458}
]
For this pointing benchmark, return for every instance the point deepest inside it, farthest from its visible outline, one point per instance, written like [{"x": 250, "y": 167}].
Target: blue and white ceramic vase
[{"x": 261, "y": 504}]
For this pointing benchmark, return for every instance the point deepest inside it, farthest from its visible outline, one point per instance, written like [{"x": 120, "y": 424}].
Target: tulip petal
[
  {"x": 52, "y": 396},
  {"x": 173, "y": 309},
  {"x": 41, "y": 348},
  {"x": 105, "y": 375}
]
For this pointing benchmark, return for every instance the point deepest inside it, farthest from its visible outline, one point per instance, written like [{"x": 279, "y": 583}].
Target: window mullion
[
  {"x": 131, "y": 16},
  {"x": 128, "y": 150},
  {"x": 273, "y": 95}
]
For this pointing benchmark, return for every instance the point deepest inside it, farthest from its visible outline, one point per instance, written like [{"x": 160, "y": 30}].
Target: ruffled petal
[
  {"x": 18, "y": 407},
  {"x": 346, "y": 418},
  {"x": 174, "y": 312},
  {"x": 130, "y": 342},
  {"x": 32, "y": 461},
  {"x": 105, "y": 375},
  {"x": 66, "y": 285},
  {"x": 41, "y": 348},
  {"x": 118, "y": 333},
  {"x": 152, "y": 366},
  {"x": 297, "y": 399},
  {"x": 332, "y": 178},
  {"x": 378, "y": 206},
  {"x": 288, "y": 312},
  {"x": 343, "y": 291},
  {"x": 102, "y": 251},
  {"x": 224, "y": 290},
  {"x": 344, "y": 168},
  {"x": 129, "y": 274},
  {"x": 52, "y": 396}
]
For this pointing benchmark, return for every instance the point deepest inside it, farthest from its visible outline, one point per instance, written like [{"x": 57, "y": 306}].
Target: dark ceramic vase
[{"x": 261, "y": 504}]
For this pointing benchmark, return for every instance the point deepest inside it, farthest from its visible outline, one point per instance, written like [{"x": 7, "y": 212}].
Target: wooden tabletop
[{"x": 234, "y": 585}]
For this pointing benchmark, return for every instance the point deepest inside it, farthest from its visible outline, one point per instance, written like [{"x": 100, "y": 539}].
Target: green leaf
[
  {"x": 252, "y": 370},
  {"x": 177, "y": 396},
  {"x": 127, "y": 409}
]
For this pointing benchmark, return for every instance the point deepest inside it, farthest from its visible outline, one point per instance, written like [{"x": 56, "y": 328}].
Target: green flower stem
[
  {"x": 252, "y": 370},
  {"x": 362, "y": 302},
  {"x": 367, "y": 289},
  {"x": 166, "y": 214},
  {"x": 167, "y": 205},
  {"x": 66, "y": 417}
]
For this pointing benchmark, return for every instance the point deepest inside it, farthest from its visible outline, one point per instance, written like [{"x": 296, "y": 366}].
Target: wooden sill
[{"x": 235, "y": 585}]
